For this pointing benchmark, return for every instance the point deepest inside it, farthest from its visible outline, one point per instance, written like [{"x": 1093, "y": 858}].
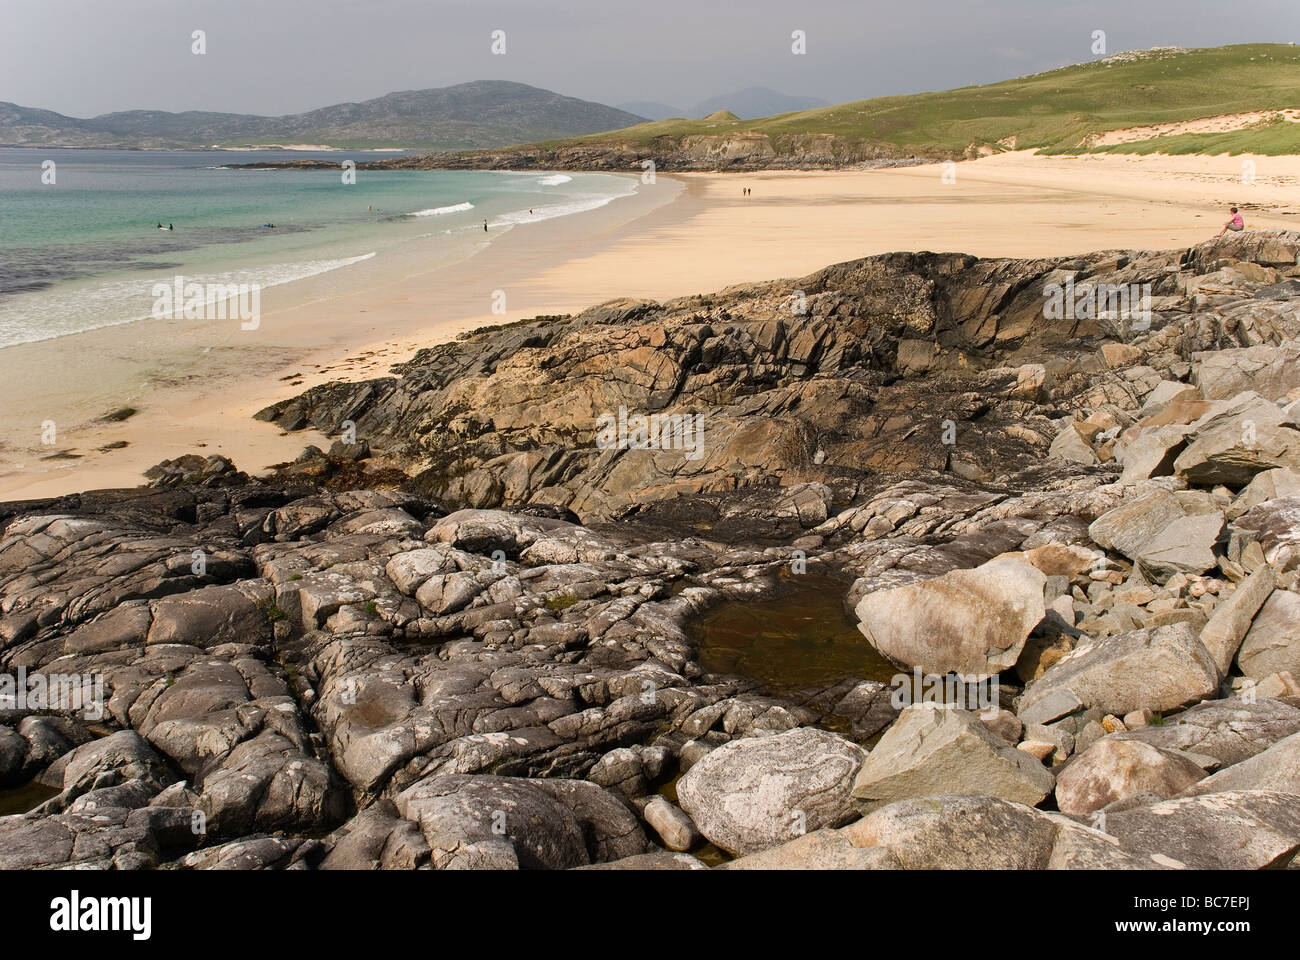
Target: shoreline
[
  {"x": 700, "y": 235},
  {"x": 196, "y": 388}
]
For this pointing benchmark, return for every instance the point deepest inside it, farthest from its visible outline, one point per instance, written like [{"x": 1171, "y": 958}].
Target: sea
[{"x": 81, "y": 248}]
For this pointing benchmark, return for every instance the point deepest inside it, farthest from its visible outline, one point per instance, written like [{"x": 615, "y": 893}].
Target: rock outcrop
[{"x": 486, "y": 633}]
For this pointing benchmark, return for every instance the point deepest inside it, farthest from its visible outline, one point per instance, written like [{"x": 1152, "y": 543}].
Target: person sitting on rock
[{"x": 1236, "y": 224}]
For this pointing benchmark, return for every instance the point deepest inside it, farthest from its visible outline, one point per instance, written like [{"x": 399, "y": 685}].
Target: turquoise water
[{"x": 85, "y": 251}]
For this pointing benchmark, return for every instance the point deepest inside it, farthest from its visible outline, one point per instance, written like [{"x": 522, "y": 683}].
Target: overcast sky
[{"x": 85, "y": 57}]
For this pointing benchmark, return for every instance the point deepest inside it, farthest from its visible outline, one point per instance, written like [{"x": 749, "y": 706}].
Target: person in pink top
[{"x": 1236, "y": 224}]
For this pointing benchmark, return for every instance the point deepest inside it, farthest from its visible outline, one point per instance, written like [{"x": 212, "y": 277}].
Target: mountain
[
  {"x": 1235, "y": 99},
  {"x": 478, "y": 115},
  {"x": 754, "y": 102}
]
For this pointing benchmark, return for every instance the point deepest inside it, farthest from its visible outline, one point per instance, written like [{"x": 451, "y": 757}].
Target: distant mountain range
[
  {"x": 478, "y": 115},
  {"x": 747, "y": 104},
  {"x": 1211, "y": 101}
]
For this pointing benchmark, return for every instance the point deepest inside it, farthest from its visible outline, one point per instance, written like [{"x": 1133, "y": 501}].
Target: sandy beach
[{"x": 196, "y": 392}]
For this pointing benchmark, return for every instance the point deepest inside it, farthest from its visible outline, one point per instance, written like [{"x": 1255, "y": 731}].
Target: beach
[{"x": 196, "y": 393}]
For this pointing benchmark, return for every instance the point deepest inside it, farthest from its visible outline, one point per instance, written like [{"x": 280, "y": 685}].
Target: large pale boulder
[
  {"x": 1113, "y": 770},
  {"x": 1238, "y": 439},
  {"x": 1157, "y": 668},
  {"x": 1239, "y": 830},
  {"x": 819, "y": 850},
  {"x": 1085, "y": 847},
  {"x": 757, "y": 792},
  {"x": 1165, "y": 393},
  {"x": 969, "y": 622},
  {"x": 1277, "y": 768},
  {"x": 1268, "y": 369},
  {"x": 1184, "y": 546},
  {"x": 959, "y": 833},
  {"x": 951, "y": 833},
  {"x": 1267, "y": 485},
  {"x": 1277, "y": 524},
  {"x": 1227, "y": 626},
  {"x": 509, "y": 823},
  {"x": 1133, "y": 524},
  {"x": 1228, "y": 731},
  {"x": 1072, "y": 444},
  {"x": 1272, "y": 644},
  {"x": 411, "y": 569},
  {"x": 935, "y": 750},
  {"x": 1152, "y": 453}
]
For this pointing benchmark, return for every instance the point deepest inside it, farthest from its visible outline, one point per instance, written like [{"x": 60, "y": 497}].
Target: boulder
[
  {"x": 1166, "y": 392},
  {"x": 1184, "y": 546},
  {"x": 212, "y": 615},
  {"x": 114, "y": 759},
  {"x": 1266, "y": 485},
  {"x": 819, "y": 850},
  {"x": 1277, "y": 526},
  {"x": 674, "y": 827},
  {"x": 1222, "y": 635},
  {"x": 1133, "y": 524},
  {"x": 1270, "y": 370},
  {"x": 1151, "y": 454},
  {"x": 1238, "y": 830},
  {"x": 1072, "y": 445},
  {"x": 1236, "y": 440},
  {"x": 1159, "y": 668},
  {"x": 756, "y": 792},
  {"x": 13, "y": 757},
  {"x": 377, "y": 838},
  {"x": 959, "y": 833},
  {"x": 410, "y": 569},
  {"x": 1058, "y": 703},
  {"x": 969, "y": 622},
  {"x": 1277, "y": 768},
  {"x": 1272, "y": 644},
  {"x": 490, "y": 822},
  {"x": 934, "y": 750},
  {"x": 1112, "y": 770},
  {"x": 1080, "y": 847},
  {"x": 1228, "y": 731}
]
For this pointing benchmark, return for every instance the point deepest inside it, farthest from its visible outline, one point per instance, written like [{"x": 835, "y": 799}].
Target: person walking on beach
[
  {"x": 485, "y": 226},
  {"x": 1236, "y": 224}
]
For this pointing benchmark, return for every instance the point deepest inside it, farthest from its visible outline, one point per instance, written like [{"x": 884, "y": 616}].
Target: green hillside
[{"x": 1055, "y": 111}]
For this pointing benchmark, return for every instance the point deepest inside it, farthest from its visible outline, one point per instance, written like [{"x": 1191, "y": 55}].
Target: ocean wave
[
  {"x": 439, "y": 211},
  {"x": 554, "y": 180},
  {"x": 62, "y": 312},
  {"x": 579, "y": 204}
]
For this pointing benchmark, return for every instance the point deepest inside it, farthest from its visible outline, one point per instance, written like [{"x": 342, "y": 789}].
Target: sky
[{"x": 86, "y": 57}]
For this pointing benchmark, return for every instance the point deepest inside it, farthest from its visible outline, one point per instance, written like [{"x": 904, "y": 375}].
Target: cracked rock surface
[{"x": 496, "y": 657}]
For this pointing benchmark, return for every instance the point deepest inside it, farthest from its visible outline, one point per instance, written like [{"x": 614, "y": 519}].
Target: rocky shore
[
  {"x": 699, "y": 153},
  {"x": 469, "y": 635}
]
